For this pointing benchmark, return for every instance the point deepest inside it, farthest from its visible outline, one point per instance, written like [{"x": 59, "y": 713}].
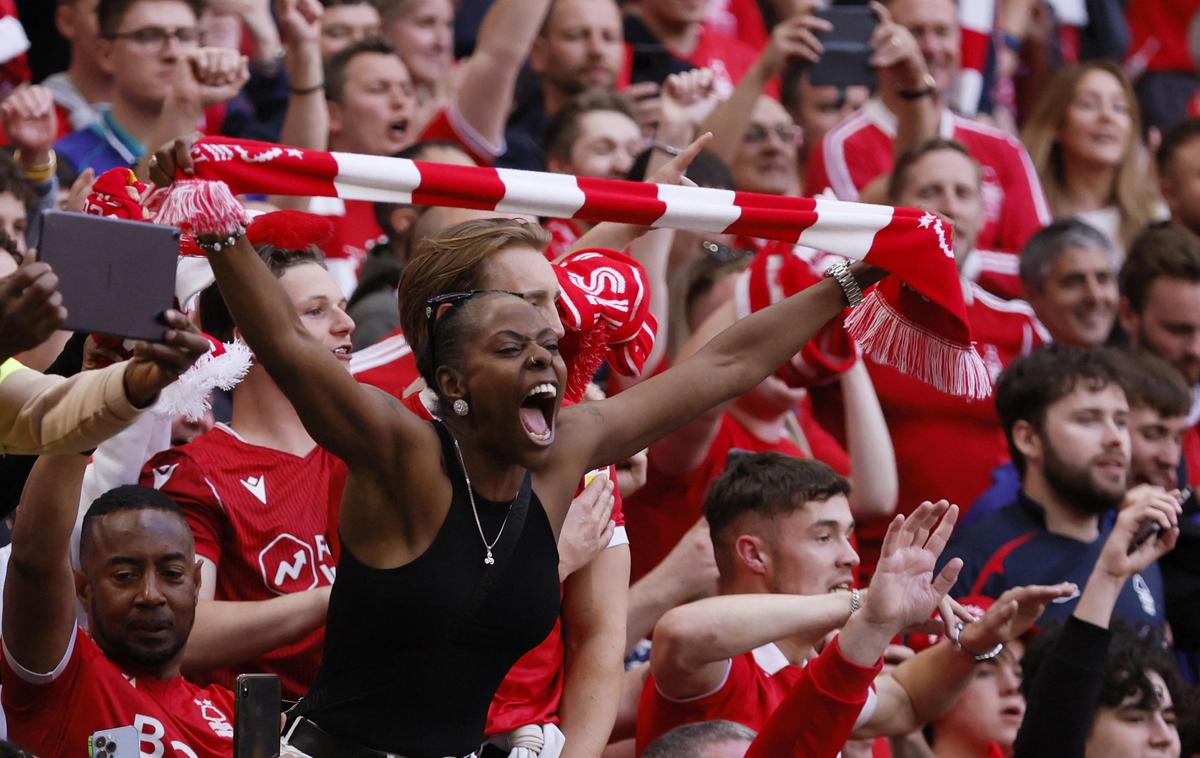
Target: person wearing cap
[
  {"x": 1066, "y": 416},
  {"x": 781, "y": 530}
]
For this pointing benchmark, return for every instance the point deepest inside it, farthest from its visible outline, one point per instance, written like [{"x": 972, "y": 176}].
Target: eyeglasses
[
  {"x": 156, "y": 37},
  {"x": 433, "y": 310},
  {"x": 756, "y": 134}
]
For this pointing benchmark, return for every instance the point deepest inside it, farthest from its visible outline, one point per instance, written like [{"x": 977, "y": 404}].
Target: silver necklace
[{"x": 488, "y": 560}]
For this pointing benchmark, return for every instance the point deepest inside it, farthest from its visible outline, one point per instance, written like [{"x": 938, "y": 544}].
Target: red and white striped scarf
[{"x": 920, "y": 328}]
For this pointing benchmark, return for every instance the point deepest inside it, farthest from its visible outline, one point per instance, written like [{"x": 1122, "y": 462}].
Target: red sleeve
[
  {"x": 816, "y": 178},
  {"x": 27, "y": 693},
  {"x": 176, "y": 474},
  {"x": 817, "y": 716},
  {"x": 1025, "y": 210},
  {"x": 449, "y": 125}
]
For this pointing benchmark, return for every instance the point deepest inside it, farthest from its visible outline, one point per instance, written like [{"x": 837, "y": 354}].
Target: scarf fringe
[
  {"x": 202, "y": 207},
  {"x": 893, "y": 340},
  {"x": 190, "y": 395}
]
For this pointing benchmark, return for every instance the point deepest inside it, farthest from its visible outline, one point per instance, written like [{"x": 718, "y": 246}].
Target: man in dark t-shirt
[{"x": 1065, "y": 415}]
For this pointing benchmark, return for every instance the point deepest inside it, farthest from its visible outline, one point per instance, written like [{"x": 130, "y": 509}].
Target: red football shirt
[
  {"x": 662, "y": 511},
  {"x": 54, "y": 714},
  {"x": 268, "y": 520},
  {"x": 754, "y": 686},
  {"x": 859, "y": 149},
  {"x": 564, "y": 233}
]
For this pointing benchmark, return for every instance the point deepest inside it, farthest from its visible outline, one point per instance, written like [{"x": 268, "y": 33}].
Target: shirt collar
[{"x": 879, "y": 115}]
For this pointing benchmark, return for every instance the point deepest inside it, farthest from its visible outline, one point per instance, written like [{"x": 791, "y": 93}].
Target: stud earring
[{"x": 460, "y": 407}]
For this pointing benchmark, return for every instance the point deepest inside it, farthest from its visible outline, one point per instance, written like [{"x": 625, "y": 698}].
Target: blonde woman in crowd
[{"x": 1083, "y": 136}]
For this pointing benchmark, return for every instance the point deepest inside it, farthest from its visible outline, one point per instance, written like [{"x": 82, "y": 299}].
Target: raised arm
[
  {"x": 40, "y": 413},
  {"x": 39, "y": 592},
  {"x": 594, "y": 599},
  {"x": 927, "y": 685},
  {"x": 506, "y": 35},
  {"x": 733, "y": 363},
  {"x": 901, "y": 66},
  {"x": 306, "y": 123},
  {"x": 354, "y": 422},
  {"x": 794, "y": 38},
  {"x": 874, "y": 482}
]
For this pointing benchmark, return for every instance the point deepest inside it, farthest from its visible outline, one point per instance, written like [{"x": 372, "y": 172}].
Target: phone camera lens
[{"x": 101, "y": 742}]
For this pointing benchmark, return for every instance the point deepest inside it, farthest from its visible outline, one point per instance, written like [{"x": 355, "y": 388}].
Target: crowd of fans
[{"x": 759, "y": 540}]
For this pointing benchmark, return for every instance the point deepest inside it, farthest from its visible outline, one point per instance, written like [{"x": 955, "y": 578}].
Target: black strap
[{"x": 504, "y": 548}]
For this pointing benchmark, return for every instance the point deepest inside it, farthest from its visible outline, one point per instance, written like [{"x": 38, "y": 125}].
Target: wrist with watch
[{"x": 926, "y": 88}]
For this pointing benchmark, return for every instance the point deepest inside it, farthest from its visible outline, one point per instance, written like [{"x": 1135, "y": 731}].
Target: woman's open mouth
[{"x": 537, "y": 412}]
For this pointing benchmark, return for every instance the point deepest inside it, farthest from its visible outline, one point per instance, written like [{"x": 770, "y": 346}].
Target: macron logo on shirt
[
  {"x": 162, "y": 475},
  {"x": 257, "y": 485}
]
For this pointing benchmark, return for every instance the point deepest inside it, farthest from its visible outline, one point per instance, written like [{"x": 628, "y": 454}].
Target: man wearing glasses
[{"x": 163, "y": 81}]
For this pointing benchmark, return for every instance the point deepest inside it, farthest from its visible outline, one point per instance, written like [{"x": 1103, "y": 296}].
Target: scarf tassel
[
  {"x": 894, "y": 340},
  {"x": 190, "y": 395},
  {"x": 200, "y": 206}
]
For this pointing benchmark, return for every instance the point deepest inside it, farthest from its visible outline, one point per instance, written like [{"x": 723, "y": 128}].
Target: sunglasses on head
[{"x": 434, "y": 310}]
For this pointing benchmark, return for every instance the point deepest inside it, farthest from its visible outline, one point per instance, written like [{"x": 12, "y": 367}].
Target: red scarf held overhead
[{"x": 914, "y": 320}]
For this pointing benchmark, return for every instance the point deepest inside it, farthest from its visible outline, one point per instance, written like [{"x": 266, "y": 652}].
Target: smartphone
[
  {"x": 847, "y": 48},
  {"x": 256, "y": 716},
  {"x": 121, "y": 742}
]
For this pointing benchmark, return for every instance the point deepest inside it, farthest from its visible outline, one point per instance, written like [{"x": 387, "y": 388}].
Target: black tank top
[{"x": 402, "y": 672}]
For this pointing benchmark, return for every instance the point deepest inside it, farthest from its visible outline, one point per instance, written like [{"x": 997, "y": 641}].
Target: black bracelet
[{"x": 306, "y": 90}]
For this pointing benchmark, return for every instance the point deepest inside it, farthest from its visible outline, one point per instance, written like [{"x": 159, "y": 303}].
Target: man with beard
[
  {"x": 138, "y": 584},
  {"x": 1160, "y": 311},
  {"x": 1066, "y": 419}
]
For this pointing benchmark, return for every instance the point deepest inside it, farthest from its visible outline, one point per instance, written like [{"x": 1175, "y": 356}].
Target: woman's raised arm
[
  {"x": 733, "y": 363},
  {"x": 354, "y": 422}
]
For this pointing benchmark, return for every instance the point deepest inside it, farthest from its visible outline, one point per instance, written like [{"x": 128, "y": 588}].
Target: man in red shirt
[
  {"x": 859, "y": 150},
  {"x": 941, "y": 177},
  {"x": 781, "y": 534},
  {"x": 262, "y": 500},
  {"x": 138, "y": 585}
]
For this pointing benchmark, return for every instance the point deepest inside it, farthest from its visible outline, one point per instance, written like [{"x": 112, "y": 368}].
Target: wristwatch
[
  {"x": 928, "y": 85},
  {"x": 840, "y": 273}
]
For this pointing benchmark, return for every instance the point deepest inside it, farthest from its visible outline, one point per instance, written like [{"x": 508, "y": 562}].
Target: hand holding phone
[{"x": 845, "y": 50}]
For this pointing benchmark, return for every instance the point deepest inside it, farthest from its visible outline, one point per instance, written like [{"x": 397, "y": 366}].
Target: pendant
[{"x": 488, "y": 559}]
